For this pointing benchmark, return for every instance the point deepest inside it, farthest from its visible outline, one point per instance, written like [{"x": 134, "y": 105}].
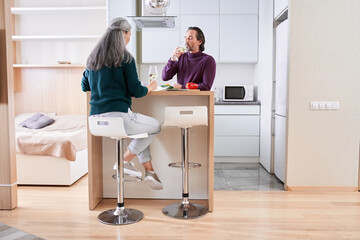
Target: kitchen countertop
[
  {"x": 238, "y": 103},
  {"x": 180, "y": 93}
]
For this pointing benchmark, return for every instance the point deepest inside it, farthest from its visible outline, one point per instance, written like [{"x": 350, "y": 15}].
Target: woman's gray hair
[{"x": 111, "y": 50}]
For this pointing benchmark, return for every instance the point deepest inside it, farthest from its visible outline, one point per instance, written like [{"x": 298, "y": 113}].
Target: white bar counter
[{"x": 164, "y": 149}]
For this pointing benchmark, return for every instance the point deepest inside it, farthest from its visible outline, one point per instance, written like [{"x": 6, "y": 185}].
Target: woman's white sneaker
[{"x": 153, "y": 181}]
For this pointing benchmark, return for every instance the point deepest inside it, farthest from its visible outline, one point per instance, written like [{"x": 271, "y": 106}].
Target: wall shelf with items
[
  {"x": 51, "y": 41},
  {"x": 45, "y": 32},
  {"x": 48, "y": 66},
  {"x": 54, "y": 37}
]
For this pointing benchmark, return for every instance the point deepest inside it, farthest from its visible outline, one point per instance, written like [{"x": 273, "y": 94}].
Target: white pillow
[{"x": 23, "y": 116}]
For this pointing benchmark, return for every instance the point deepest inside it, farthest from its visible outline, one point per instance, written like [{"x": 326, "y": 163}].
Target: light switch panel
[
  {"x": 335, "y": 105},
  {"x": 314, "y": 105},
  {"x": 324, "y": 105}
]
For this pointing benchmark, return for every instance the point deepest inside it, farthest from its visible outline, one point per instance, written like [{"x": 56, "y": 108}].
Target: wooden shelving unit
[
  {"x": 55, "y": 37},
  {"x": 49, "y": 66},
  {"x": 43, "y": 33}
]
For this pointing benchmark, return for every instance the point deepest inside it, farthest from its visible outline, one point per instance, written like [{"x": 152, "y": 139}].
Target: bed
[{"x": 53, "y": 155}]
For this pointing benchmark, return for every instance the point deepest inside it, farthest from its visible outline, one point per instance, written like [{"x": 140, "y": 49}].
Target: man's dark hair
[{"x": 199, "y": 36}]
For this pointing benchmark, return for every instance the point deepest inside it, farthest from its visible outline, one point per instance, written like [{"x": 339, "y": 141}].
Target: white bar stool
[
  {"x": 113, "y": 127},
  {"x": 184, "y": 118}
]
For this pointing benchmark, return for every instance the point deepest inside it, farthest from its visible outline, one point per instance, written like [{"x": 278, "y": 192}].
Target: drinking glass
[
  {"x": 153, "y": 73},
  {"x": 182, "y": 49}
]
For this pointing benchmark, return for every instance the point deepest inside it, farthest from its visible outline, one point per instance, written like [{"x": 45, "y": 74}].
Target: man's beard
[{"x": 188, "y": 48}]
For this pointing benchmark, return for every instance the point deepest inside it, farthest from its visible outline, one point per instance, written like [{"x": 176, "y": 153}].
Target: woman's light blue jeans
[{"x": 136, "y": 123}]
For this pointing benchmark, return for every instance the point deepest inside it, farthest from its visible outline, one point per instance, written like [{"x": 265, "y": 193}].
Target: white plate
[{"x": 172, "y": 89}]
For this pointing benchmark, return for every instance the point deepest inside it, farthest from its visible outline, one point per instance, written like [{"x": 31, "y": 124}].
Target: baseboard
[
  {"x": 221, "y": 159},
  {"x": 322, "y": 188}
]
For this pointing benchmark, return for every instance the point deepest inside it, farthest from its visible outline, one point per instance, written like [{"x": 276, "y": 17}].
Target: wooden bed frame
[{"x": 48, "y": 170}]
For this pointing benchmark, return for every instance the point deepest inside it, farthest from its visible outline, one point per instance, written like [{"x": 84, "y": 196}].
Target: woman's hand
[{"x": 152, "y": 86}]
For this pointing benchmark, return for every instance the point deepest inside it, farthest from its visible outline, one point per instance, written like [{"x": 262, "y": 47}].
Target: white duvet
[{"x": 63, "y": 138}]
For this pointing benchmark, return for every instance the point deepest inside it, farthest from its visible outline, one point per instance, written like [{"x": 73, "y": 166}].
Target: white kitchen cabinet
[
  {"x": 279, "y": 7},
  {"x": 199, "y": 7},
  {"x": 239, "y": 7},
  {"x": 158, "y": 45},
  {"x": 237, "y": 131},
  {"x": 230, "y": 28},
  {"x": 235, "y": 125},
  {"x": 209, "y": 24},
  {"x": 155, "y": 49},
  {"x": 240, "y": 43},
  {"x": 236, "y": 146}
]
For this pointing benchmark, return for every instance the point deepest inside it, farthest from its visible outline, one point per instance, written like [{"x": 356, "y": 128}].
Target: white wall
[
  {"x": 263, "y": 79},
  {"x": 323, "y": 146}
]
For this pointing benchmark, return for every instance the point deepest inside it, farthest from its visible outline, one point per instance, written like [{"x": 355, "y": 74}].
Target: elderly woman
[{"x": 111, "y": 77}]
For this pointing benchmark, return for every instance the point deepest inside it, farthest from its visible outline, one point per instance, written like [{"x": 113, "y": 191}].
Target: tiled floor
[{"x": 245, "y": 177}]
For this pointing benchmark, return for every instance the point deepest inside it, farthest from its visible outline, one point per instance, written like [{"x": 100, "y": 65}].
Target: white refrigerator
[{"x": 281, "y": 80}]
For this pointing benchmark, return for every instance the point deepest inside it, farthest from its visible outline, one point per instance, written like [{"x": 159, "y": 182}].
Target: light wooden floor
[{"x": 62, "y": 213}]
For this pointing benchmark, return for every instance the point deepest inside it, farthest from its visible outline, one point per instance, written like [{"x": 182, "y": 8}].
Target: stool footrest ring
[
  {"x": 128, "y": 178},
  {"x": 179, "y": 165}
]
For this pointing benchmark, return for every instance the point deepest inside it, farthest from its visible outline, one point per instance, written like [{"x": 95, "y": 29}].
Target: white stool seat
[
  {"x": 185, "y": 116},
  {"x": 113, "y": 127}
]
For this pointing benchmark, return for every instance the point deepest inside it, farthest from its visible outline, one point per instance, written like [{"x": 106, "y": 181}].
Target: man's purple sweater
[{"x": 197, "y": 67}]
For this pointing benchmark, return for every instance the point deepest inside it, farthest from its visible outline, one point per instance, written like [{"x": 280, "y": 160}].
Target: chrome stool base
[
  {"x": 120, "y": 216},
  {"x": 185, "y": 211}
]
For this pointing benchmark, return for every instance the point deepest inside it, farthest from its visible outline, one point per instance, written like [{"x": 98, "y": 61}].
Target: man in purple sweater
[{"x": 193, "y": 66}]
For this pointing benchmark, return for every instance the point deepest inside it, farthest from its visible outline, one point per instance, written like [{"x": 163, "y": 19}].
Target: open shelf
[
  {"x": 56, "y": 37},
  {"x": 49, "y": 65},
  {"x": 52, "y": 10}
]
